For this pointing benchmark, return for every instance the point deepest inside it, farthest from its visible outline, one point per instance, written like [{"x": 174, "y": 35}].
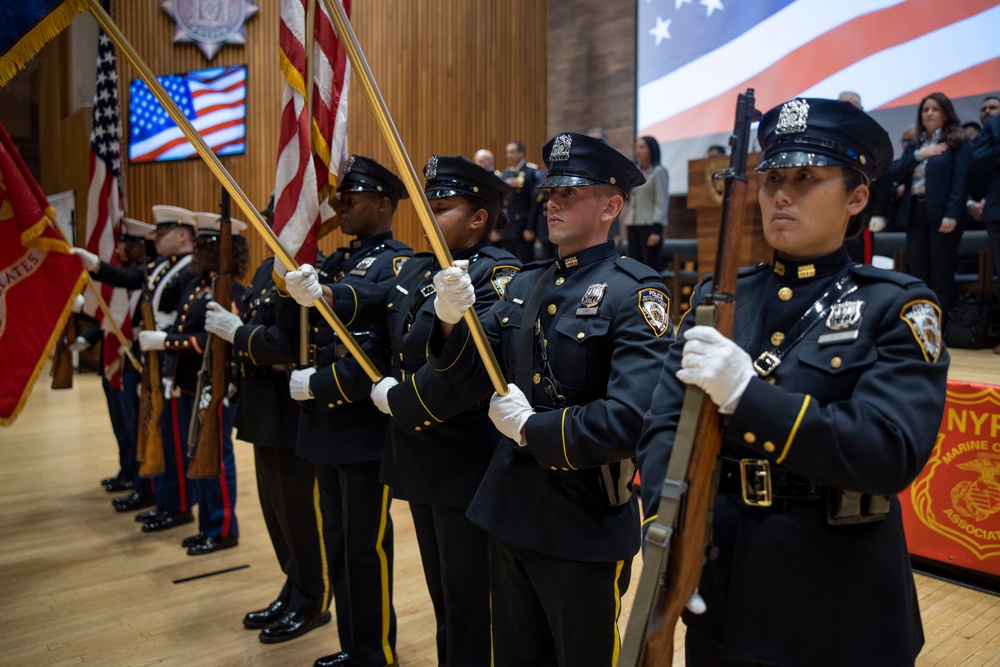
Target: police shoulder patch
[
  {"x": 501, "y": 276},
  {"x": 655, "y": 308},
  {"x": 924, "y": 320},
  {"x": 397, "y": 264}
]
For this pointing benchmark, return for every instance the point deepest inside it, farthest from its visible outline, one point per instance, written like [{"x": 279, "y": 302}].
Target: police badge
[
  {"x": 431, "y": 168},
  {"x": 363, "y": 266},
  {"x": 210, "y": 23},
  {"x": 591, "y": 299},
  {"x": 349, "y": 165},
  {"x": 843, "y": 320},
  {"x": 561, "y": 148},
  {"x": 924, "y": 319},
  {"x": 655, "y": 307},
  {"x": 793, "y": 118}
]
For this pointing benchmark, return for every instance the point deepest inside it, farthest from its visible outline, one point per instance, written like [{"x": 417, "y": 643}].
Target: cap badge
[
  {"x": 350, "y": 165},
  {"x": 431, "y": 170},
  {"x": 793, "y": 118},
  {"x": 560, "y": 148}
]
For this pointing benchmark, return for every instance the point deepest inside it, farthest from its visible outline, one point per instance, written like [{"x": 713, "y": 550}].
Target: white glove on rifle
[
  {"x": 696, "y": 604},
  {"x": 380, "y": 394},
  {"x": 717, "y": 365},
  {"x": 79, "y": 344},
  {"x": 168, "y": 388},
  {"x": 298, "y": 384},
  {"x": 876, "y": 223},
  {"x": 152, "y": 340},
  {"x": 454, "y": 292},
  {"x": 303, "y": 285},
  {"x": 510, "y": 413},
  {"x": 91, "y": 262},
  {"x": 221, "y": 322},
  {"x": 78, "y": 304}
]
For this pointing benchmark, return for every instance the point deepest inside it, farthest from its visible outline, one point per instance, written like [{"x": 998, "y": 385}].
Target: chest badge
[
  {"x": 655, "y": 308},
  {"x": 363, "y": 266},
  {"x": 924, "y": 319},
  {"x": 591, "y": 299},
  {"x": 842, "y": 323}
]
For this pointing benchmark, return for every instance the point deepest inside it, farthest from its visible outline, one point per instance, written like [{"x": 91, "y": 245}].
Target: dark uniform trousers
[
  {"x": 123, "y": 410},
  {"x": 561, "y": 540},
  {"x": 268, "y": 417},
  {"x": 216, "y": 496},
  {"x": 174, "y": 492},
  {"x": 854, "y": 404}
]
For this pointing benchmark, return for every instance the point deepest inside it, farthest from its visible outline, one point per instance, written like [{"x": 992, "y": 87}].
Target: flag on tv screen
[{"x": 214, "y": 100}]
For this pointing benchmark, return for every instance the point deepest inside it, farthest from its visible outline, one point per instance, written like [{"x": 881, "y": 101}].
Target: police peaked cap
[
  {"x": 209, "y": 224},
  {"x": 451, "y": 175},
  {"x": 813, "y": 132},
  {"x": 172, "y": 216},
  {"x": 364, "y": 174},
  {"x": 576, "y": 159}
]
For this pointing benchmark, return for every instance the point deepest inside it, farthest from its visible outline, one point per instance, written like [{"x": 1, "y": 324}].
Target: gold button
[
  {"x": 400, "y": 356},
  {"x": 776, "y": 338},
  {"x": 749, "y": 438},
  {"x": 389, "y": 306},
  {"x": 536, "y": 378},
  {"x": 427, "y": 274},
  {"x": 427, "y": 423},
  {"x": 264, "y": 291},
  {"x": 551, "y": 309},
  {"x": 554, "y": 468},
  {"x": 836, "y": 362},
  {"x": 768, "y": 446},
  {"x": 581, "y": 335},
  {"x": 416, "y": 428},
  {"x": 330, "y": 406},
  {"x": 560, "y": 280},
  {"x": 267, "y": 300},
  {"x": 772, "y": 380},
  {"x": 505, "y": 320},
  {"x": 340, "y": 402},
  {"x": 564, "y": 468},
  {"x": 785, "y": 293}
]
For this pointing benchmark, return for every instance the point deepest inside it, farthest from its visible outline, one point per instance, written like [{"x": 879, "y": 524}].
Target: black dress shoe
[
  {"x": 211, "y": 543},
  {"x": 116, "y": 485},
  {"x": 167, "y": 520},
  {"x": 292, "y": 624},
  {"x": 131, "y": 501},
  {"x": 262, "y": 618},
  {"x": 148, "y": 515},
  {"x": 342, "y": 659},
  {"x": 193, "y": 540}
]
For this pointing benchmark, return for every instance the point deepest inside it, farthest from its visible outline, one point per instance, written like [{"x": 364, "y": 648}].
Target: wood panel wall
[{"x": 456, "y": 75}]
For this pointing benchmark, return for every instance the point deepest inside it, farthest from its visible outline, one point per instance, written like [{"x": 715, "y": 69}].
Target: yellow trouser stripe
[
  {"x": 322, "y": 545},
  {"x": 383, "y": 561}
]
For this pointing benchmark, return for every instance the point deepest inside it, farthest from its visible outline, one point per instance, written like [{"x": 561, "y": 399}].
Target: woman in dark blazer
[{"x": 934, "y": 170}]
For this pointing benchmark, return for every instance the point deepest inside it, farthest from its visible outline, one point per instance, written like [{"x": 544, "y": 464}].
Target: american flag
[
  {"x": 106, "y": 202},
  {"x": 695, "y": 56},
  {"x": 214, "y": 100},
  {"x": 309, "y": 161}
]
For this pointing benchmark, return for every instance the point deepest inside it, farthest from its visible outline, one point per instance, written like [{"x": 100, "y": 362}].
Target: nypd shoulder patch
[
  {"x": 397, "y": 264},
  {"x": 501, "y": 276},
  {"x": 924, "y": 320},
  {"x": 655, "y": 308}
]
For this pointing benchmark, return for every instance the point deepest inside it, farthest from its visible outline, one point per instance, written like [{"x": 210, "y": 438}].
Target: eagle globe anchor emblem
[{"x": 978, "y": 499}]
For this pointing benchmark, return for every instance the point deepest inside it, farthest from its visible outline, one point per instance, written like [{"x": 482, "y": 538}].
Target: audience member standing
[
  {"x": 987, "y": 161},
  {"x": 522, "y": 206},
  {"x": 646, "y": 212}
]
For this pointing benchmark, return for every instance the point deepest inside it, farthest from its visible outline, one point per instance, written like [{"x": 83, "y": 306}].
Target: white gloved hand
[
  {"x": 152, "y": 340},
  {"x": 454, "y": 292},
  {"x": 168, "y": 388},
  {"x": 91, "y": 262},
  {"x": 304, "y": 285},
  {"x": 78, "y": 304},
  {"x": 205, "y": 400},
  {"x": 696, "y": 605},
  {"x": 876, "y": 223},
  {"x": 79, "y": 344},
  {"x": 717, "y": 365},
  {"x": 510, "y": 413},
  {"x": 298, "y": 384},
  {"x": 380, "y": 394},
  {"x": 221, "y": 322}
]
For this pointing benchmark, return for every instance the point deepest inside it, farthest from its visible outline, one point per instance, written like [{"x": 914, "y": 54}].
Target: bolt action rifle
[
  {"x": 150, "y": 441},
  {"x": 62, "y": 357}
]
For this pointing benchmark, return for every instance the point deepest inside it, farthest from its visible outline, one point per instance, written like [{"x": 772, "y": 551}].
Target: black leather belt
[{"x": 781, "y": 484}]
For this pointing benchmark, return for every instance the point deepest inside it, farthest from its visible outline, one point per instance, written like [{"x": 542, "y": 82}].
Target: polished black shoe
[
  {"x": 189, "y": 542},
  {"x": 116, "y": 484},
  {"x": 167, "y": 520},
  {"x": 292, "y": 624},
  {"x": 148, "y": 515},
  {"x": 211, "y": 543},
  {"x": 256, "y": 620},
  {"x": 342, "y": 659},
  {"x": 133, "y": 500}
]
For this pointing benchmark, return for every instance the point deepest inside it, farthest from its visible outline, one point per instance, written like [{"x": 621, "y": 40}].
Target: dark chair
[{"x": 680, "y": 273}]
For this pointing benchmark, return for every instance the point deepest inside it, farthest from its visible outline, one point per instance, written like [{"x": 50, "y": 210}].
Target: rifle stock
[
  {"x": 62, "y": 357},
  {"x": 150, "y": 440},
  {"x": 676, "y": 546}
]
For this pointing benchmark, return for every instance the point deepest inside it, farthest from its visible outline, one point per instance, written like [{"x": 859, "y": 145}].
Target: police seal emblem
[
  {"x": 655, "y": 308},
  {"x": 431, "y": 168},
  {"x": 501, "y": 276},
  {"x": 210, "y": 23},
  {"x": 794, "y": 117},
  {"x": 397, "y": 264},
  {"x": 924, "y": 319},
  {"x": 560, "y": 148}
]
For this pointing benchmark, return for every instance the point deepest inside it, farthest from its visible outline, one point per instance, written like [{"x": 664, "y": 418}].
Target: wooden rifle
[
  {"x": 150, "y": 438},
  {"x": 62, "y": 357},
  {"x": 205, "y": 448},
  {"x": 677, "y": 539}
]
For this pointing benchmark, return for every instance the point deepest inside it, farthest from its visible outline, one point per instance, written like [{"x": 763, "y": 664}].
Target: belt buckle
[
  {"x": 766, "y": 363},
  {"x": 755, "y": 482}
]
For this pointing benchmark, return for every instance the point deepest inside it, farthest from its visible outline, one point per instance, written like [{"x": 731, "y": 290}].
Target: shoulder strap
[{"x": 525, "y": 358}]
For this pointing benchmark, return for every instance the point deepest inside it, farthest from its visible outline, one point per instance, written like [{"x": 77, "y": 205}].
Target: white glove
[
  {"x": 205, "y": 400},
  {"x": 510, "y": 413},
  {"x": 454, "y": 292},
  {"x": 152, "y": 340},
  {"x": 717, "y": 365},
  {"x": 79, "y": 344},
  {"x": 876, "y": 223},
  {"x": 298, "y": 384},
  {"x": 90, "y": 261},
  {"x": 696, "y": 605},
  {"x": 78, "y": 304},
  {"x": 221, "y": 322},
  {"x": 304, "y": 285},
  {"x": 168, "y": 388},
  {"x": 380, "y": 394}
]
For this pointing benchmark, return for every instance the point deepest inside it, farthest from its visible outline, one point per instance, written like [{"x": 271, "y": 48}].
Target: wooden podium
[{"x": 705, "y": 198}]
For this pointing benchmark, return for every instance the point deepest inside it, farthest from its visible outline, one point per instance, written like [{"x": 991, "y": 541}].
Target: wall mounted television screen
[{"x": 214, "y": 100}]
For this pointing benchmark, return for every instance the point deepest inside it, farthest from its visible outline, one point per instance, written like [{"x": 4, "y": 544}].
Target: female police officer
[{"x": 834, "y": 387}]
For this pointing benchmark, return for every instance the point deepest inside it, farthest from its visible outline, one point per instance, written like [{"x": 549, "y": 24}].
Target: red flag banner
[{"x": 38, "y": 279}]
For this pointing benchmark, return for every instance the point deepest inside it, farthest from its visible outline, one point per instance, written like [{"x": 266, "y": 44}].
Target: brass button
[
  {"x": 340, "y": 402},
  {"x": 400, "y": 356},
  {"x": 264, "y": 291},
  {"x": 330, "y": 405},
  {"x": 560, "y": 280},
  {"x": 505, "y": 320},
  {"x": 416, "y": 428},
  {"x": 581, "y": 335},
  {"x": 536, "y": 378},
  {"x": 785, "y": 293},
  {"x": 554, "y": 468},
  {"x": 427, "y": 423},
  {"x": 564, "y": 468},
  {"x": 772, "y": 380},
  {"x": 427, "y": 274},
  {"x": 389, "y": 306},
  {"x": 749, "y": 438},
  {"x": 836, "y": 362},
  {"x": 776, "y": 338},
  {"x": 551, "y": 309},
  {"x": 768, "y": 446}
]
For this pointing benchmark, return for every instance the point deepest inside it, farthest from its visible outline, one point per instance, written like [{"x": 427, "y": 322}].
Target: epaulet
[
  {"x": 744, "y": 272},
  {"x": 397, "y": 245},
  {"x": 636, "y": 269},
  {"x": 531, "y": 165},
  {"x": 869, "y": 272},
  {"x": 499, "y": 254}
]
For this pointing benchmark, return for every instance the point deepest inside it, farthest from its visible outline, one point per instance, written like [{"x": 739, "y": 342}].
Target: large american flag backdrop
[
  {"x": 694, "y": 56},
  {"x": 214, "y": 100}
]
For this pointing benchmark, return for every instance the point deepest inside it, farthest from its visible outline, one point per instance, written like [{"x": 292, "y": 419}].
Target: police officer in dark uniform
[
  {"x": 344, "y": 436},
  {"x": 581, "y": 340},
  {"x": 833, "y": 388},
  {"x": 521, "y": 205}
]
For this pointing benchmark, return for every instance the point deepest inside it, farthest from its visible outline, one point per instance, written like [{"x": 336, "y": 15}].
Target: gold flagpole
[
  {"x": 126, "y": 344},
  {"x": 310, "y": 39},
  {"x": 239, "y": 197},
  {"x": 409, "y": 178}
]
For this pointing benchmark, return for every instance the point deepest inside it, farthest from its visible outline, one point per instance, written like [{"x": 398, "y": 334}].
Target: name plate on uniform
[
  {"x": 837, "y": 337},
  {"x": 586, "y": 312}
]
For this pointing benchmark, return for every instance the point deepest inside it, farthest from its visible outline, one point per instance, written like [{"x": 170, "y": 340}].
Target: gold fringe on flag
[{"x": 32, "y": 42}]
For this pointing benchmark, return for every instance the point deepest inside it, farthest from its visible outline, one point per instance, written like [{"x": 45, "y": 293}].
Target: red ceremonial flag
[{"x": 38, "y": 280}]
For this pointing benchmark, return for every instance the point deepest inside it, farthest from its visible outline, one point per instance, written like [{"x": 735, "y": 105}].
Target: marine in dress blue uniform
[
  {"x": 582, "y": 340},
  {"x": 845, "y": 383}
]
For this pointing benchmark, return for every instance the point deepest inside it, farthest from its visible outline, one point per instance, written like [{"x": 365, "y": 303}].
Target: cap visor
[
  {"x": 792, "y": 159},
  {"x": 441, "y": 193},
  {"x": 564, "y": 181}
]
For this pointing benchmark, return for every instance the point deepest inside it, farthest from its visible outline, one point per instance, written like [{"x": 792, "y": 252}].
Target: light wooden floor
[{"x": 79, "y": 584}]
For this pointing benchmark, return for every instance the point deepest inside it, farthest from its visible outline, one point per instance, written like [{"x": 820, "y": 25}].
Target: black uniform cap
[
  {"x": 451, "y": 175},
  {"x": 363, "y": 174},
  {"x": 812, "y": 132},
  {"x": 578, "y": 159}
]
